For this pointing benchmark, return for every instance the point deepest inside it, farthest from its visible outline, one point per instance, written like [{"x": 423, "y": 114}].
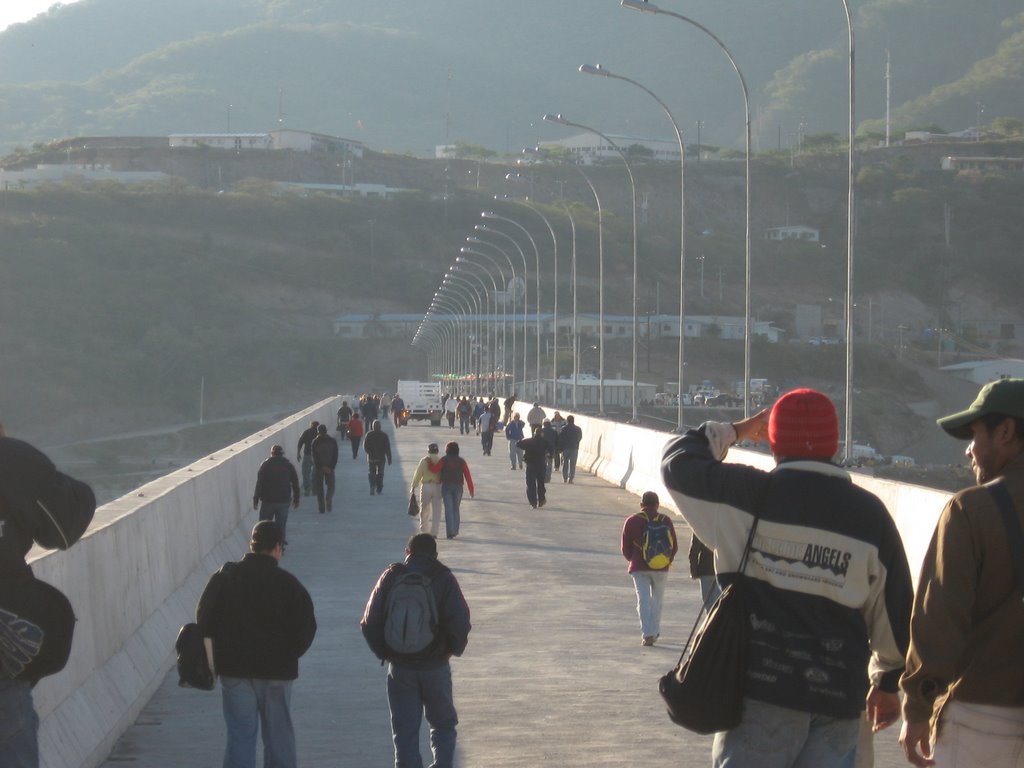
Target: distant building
[
  {"x": 57, "y": 174},
  {"x": 343, "y": 190},
  {"x": 588, "y": 147},
  {"x": 984, "y": 371},
  {"x": 795, "y": 232},
  {"x": 984, "y": 164},
  {"x": 285, "y": 138}
]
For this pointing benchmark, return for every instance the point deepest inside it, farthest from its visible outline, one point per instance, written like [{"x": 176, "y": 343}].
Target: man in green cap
[{"x": 964, "y": 698}]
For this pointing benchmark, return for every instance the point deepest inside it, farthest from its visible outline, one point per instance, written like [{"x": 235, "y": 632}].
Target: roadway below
[{"x": 554, "y": 673}]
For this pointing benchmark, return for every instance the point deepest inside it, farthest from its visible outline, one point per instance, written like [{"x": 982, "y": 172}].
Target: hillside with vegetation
[{"x": 407, "y": 75}]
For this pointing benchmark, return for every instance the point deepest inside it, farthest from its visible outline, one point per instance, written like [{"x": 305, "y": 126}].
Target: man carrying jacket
[
  {"x": 830, "y": 588},
  {"x": 261, "y": 621},
  {"x": 38, "y": 505},
  {"x": 421, "y": 683},
  {"x": 964, "y": 700}
]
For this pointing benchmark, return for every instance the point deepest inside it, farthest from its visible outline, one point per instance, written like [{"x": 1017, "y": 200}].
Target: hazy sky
[{"x": 12, "y": 11}]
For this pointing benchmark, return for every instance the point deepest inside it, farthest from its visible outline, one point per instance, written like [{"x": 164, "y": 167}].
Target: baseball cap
[
  {"x": 432, "y": 448},
  {"x": 649, "y": 499},
  {"x": 266, "y": 535},
  {"x": 1005, "y": 396}
]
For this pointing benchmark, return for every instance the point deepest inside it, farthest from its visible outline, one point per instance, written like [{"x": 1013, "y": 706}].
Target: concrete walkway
[{"x": 554, "y": 673}]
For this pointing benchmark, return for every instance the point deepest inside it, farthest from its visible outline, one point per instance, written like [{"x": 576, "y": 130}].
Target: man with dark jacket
[
  {"x": 550, "y": 435},
  {"x": 261, "y": 621},
  {"x": 38, "y": 505},
  {"x": 569, "y": 444},
  {"x": 344, "y": 414},
  {"x": 324, "y": 450},
  {"x": 420, "y": 683},
  {"x": 305, "y": 455},
  {"x": 535, "y": 456},
  {"x": 830, "y": 589},
  {"x": 377, "y": 447},
  {"x": 277, "y": 484}
]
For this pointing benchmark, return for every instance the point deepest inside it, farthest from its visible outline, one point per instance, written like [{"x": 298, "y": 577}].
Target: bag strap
[
  {"x": 1014, "y": 537},
  {"x": 705, "y": 609}
]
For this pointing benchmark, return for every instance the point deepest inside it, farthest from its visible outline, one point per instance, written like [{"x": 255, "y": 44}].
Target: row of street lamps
[{"x": 598, "y": 70}]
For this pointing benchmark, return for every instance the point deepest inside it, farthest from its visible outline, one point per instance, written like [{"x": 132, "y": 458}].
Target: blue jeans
[
  {"x": 278, "y": 512},
  {"x": 569, "y": 463},
  {"x": 650, "y": 595},
  {"x": 252, "y": 705},
  {"x": 770, "y": 736},
  {"x": 514, "y": 454},
  {"x": 19, "y": 726},
  {"x": 451, "y": 495},
  {"x": 411, "y": 692},
  {"x": 323, "y": 478},
  {"x": 307, "y": 472}
]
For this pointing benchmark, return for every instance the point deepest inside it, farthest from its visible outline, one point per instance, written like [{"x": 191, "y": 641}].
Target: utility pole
[{"x": 888, "y": 94}]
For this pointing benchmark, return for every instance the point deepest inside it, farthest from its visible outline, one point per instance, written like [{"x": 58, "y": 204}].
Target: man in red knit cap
[{"x": 830, "y": 586}]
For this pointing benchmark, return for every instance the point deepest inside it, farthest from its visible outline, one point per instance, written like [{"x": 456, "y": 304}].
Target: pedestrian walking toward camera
[
  {"x": 415, "y": 620},
  {"x": 451, "y": 406},
  {"x": 547, "y": 431},
  {"x": 453, "y": 471},
  {"x": 649, "y": 545},
  {"x": 430, "y": 491},
  {"x": 397, "y": 410},
  {"x": 355, "y": 433},
  {"x": 535, "y": 456},
  {"x": 569, "y": 444},
  {"x": 344, "y": 416},
  {"x": 261, "y": 621},
  {"x": 829, "y": 589},
  {"x": 535, "y": 416},
  {"x": 487, "y": 425},
  {"x": 325, "y": 459},
  {"x": 44, "y": 507},
  {"x": 377, "y": 447},
  {"x": 385, "y": 405},
  {"x": 464, "y": 410},
  {"x": 277, "y": 488},
  {"x": 303, "y": 454},
  {"x": 963, "y": 698},
  {"x": 514, "y": 432},
  {"x": 510, "y": 403}
]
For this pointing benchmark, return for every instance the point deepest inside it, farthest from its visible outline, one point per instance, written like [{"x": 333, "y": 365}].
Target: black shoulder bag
[{"x": 704, "y": 692}]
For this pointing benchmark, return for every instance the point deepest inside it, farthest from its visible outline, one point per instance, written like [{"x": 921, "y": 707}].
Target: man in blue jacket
[
  {"x": 419, "y": 682},
  {"x": 830, "y": 586}
]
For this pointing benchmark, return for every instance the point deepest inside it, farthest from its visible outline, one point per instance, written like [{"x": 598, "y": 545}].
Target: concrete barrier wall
[
  {"x": 134, "y": 579},
  {"x": 630, "y": 457}
]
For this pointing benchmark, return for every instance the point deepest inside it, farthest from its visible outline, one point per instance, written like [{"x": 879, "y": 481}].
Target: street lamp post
[
  {"x": 638, "y": 5},
  {"x": 602, "y": 72},
  {"x": 536, "y": 255},
  {"x": 504, "y": 304},
  {"x": 560, "y": 120},
  {"x": 512, "y": 270},
  {"x": 489, "y": 318},
  {"x": 526, "y": 282},
  {"x": 460, "y": 283}
]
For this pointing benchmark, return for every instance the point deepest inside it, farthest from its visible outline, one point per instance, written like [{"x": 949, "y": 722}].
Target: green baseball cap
[{"x": 1005, "y": 396}]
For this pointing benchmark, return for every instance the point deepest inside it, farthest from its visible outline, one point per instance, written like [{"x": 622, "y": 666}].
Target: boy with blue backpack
[{"x": 649, "y": 545}]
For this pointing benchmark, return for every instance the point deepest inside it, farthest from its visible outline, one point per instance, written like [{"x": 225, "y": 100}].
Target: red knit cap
[{"x": 803, "y": 424}]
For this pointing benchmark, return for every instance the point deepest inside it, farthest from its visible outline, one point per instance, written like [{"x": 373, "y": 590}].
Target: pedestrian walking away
[
  {"x": 355, "y": 433},
  {"x": 303, "y": 454},
  {"x": 325, "y": 459},
  {"x": 535, "y": 456},
  {"x": 377, "y": 447},
  {"x": 44, "y": 507},
  {"x": 569, "y": 444},
  {"x": 963, "y": 700},
  {"x": 487, "y": 424},
  {"x": 261, "y": 621},
  {"x": 430, "y": 491},
  {"x": 415, "y": 620},
  {"x": 277, "y": 488},
  {"x": 397, "y": 410},
  {"x": 649, "y": 545},
  {"x": 453, "y": 471},
  {"x": 547, "y": 431},
  {"x": 827, "y": 579}
]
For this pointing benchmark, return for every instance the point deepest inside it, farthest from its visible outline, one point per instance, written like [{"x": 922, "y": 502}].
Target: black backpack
[
  {"x": 37, "y": 624},
  {"x": 193, "y": 665}
]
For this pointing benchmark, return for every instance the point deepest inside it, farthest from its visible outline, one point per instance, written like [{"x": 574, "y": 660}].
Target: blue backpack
[{"x": 658, "y": 543}]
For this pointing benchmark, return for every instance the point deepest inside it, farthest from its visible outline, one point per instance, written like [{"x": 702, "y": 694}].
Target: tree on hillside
[
  {"x": 1008, "y": 126},
  {"x": 463, "y": 149}
]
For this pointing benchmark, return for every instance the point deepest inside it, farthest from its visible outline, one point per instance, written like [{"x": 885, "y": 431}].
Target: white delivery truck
[{"x": 422, "y": 400}]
